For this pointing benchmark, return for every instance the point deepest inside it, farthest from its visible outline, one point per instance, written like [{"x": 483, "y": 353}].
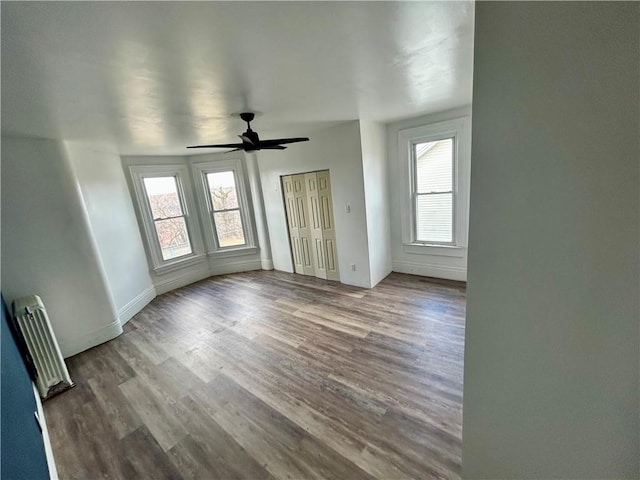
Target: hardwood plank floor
[{"x": 269, "y": 375}]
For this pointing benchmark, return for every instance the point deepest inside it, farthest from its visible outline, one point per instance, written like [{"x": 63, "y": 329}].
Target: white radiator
[{"x": 53, "y": 376}]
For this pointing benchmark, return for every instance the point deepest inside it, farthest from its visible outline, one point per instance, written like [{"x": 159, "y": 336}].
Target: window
[
  {"x": 433, "y": 191},
  {"x": 165, "y": 208},
  {"x": 225, "y": 208},
  {"x": 434, "y": 168},
  {"x": 167, "y": 213}
]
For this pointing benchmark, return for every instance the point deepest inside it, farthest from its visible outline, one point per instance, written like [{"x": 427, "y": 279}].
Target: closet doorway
[{"x": 312, "y": 236}]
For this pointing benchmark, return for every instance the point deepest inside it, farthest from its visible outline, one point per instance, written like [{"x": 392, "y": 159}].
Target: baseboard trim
[
  {"x": 267, "y": 264},
  {"x": 174, "y": 282},
  {"x": 235, "y": 267},
  {"x": 127, "y": 312},
  {"x": 177, "y": 281},
  {"x": 92, "y": 339},
  {"x": 430, "y": 270}
]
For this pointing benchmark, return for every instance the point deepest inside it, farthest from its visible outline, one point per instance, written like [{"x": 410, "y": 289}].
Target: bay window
[{"x": 192, "y": 209}]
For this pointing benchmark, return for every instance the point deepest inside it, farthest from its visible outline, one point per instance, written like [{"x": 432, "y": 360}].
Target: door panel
[
  {"x": 327, "y": 221},
  {"x": 328, "y": 231},
  {"x": 297, "y": 259},
  {"x": 292, "y": 220},
  {"x": 293, "y": 187},
  {"x": 307, "y": 261},
  {"x": 315, "y": 228},
  {"x": 301, "y": 212},
  {"x": 320, "y": 253},
  {"x": 332, "y": 263},
  {"x": 315, "y": 212}
]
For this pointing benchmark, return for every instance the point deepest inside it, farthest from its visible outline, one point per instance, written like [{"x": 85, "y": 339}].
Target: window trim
[
  {"x": 235, "y": 165},
  {"x": 213, "y": 211},
  {"x": 155, "y": 220},
  {"x": 457, "y": 129},
  {"x": 414, "y": 187},
  {"x": 154, "y": 251}
]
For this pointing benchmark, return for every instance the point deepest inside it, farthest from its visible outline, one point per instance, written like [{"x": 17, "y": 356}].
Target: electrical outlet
[
  {"x": 347, "y": 209},
  {"x": 353, "y": 267}
]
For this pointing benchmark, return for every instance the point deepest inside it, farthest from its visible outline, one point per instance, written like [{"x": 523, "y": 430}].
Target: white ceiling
[{"x": 153, "y": 77}]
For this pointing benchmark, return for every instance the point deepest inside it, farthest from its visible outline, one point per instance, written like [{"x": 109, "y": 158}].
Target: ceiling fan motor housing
[{"x": 253, "y": 136}]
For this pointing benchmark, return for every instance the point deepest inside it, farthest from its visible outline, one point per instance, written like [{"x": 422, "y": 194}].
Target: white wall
[
  {"x": 260, "y": 217},
  {"x": 337, "y": 149},
  {"x": 376, "y": 190},
  {"x": 429, "y": 261},
  {"x": 114, "y": 227},
  {"x": 552, "y": 337},
  {"x": 47, "y": 246}
]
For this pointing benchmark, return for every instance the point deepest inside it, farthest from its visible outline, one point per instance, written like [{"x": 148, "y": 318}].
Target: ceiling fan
[{"x": 251, "y": 141}]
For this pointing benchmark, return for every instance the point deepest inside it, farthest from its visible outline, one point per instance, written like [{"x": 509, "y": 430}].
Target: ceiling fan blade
[
  {"x": 246, "y": 139},
  {"x": 280, "y": 141},
  {"x": 223, "y": 145},
  {"x": 273, "y": 147},
  {"x": 234, "y": 150}
]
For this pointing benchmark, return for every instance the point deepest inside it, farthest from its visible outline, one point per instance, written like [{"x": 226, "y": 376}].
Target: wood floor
[{"x": 268, "y": 375}]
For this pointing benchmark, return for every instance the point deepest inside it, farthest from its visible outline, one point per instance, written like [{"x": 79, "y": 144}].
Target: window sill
[
  {"x": 234, "y": 252},
  {"x": 177, "y": 264},
  {"x": 437, "y": 250}
]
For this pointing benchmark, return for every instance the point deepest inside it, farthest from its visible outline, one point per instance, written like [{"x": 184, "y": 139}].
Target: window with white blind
[
  {"x": 434, "y": 161},
  {"x": 433, "y": 181}
]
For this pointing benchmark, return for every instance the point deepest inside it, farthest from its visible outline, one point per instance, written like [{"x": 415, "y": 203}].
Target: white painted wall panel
[
  {"x": 552, "y": 332},
  {"x": 114, "y": 227},
  {"x": 47, "y": 245},
  {"x": 376, "y": 189}
]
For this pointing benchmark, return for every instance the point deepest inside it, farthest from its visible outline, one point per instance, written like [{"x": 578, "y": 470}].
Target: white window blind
[{"x": 433, "y": 184}]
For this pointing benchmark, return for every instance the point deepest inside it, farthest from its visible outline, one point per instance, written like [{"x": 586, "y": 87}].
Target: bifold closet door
[
  {"x": 309, "y": 212},
  {"x": 295, "y": 198}
]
